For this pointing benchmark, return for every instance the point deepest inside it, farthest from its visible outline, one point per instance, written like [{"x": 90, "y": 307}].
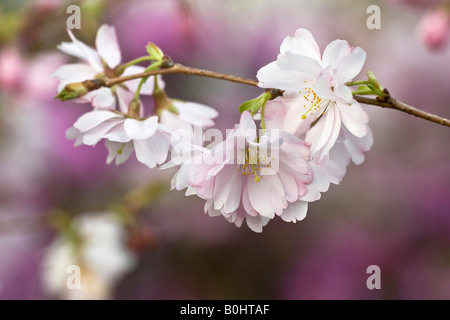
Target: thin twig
[
  {"x": 401, "y": 106},
  {"x": 388, "y": 102}
]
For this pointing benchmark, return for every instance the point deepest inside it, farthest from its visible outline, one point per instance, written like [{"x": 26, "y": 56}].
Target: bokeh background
[{"x": 392, "y": 211}]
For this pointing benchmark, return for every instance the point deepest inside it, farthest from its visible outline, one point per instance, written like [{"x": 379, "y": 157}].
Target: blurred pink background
[{"x": 392, "y": 211}]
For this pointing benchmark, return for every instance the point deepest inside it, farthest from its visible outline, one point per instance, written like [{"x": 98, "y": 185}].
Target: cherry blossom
[
  {"x": 150, "y": 137},
  {"x": 104, "y": 60},
  {"x": 100, "y": 254},
  {"x": 321, "y": 81},
  {"x": 250, "y": 178}
]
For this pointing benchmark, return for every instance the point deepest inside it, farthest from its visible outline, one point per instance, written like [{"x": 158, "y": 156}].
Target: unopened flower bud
[
  {"x": 72, "y": 91},
  {"x": 434, "y": 29},
  {"x": 134, "y": 108}
]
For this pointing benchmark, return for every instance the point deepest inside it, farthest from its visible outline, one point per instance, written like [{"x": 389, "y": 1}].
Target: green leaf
[
  {"x": 154, "y": 52},
  {"x": 254, "y": 105}
]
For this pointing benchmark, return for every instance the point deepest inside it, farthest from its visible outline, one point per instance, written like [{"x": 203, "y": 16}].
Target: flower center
[
  {"x": 255, "y": 159},
  {"x": 314, "y": 102}
]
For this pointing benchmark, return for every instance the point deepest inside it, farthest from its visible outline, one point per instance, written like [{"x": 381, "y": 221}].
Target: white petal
[
  {"x": 255, "y": 223},
  {"x": 351, "y": 65},
  {"x": 153, "y": 150},
  {"x": 295, "y": 211},
  {"x": 118, "y": 134},
  {"x": 83, "y": 51},
  {"x": 272, "y": 76},
  {"x": 124, "y": 98},
  {"x": 247, "y": 125},
  {"x": 196, "y": 113},
  {"x": 335, "y": 52},
  {"x": 103, "y": 99},
  {"x": 77, "y": 72},
  {"x": 302, "y": 65},
  {"x": 118, "y": 151},
  {"x": 354, "y": 118},
  {"x": 344, "y": 93},
  {"x": 92, "y": 119},
  {"x": 141, "y": 129},
  {"x": 302, "y": 43},
  {"x": 108, "y": 46},
  {"x": 94, "y": 135}
]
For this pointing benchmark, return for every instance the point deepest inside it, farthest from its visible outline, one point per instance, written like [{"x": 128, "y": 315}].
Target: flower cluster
[{"x": 309, "y": 134}]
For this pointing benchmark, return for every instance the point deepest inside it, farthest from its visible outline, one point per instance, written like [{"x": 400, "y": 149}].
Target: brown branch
[
  {"x": 178, "y": 68},
  {"x": 387, "y": 102},
  {"x": 392, "y": 103}
]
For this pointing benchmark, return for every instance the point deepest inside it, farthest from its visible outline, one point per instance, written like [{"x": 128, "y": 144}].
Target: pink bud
[
  {"x": 434, "y": 29},
  {"x": 12, "y": 68}
]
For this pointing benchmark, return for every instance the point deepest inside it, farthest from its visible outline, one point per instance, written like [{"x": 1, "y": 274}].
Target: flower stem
[
  {"x": 357, "y": 83},
  {"x": 122, "y": 68}
]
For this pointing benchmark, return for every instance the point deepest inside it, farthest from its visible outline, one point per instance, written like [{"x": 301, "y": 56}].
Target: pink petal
[
  {"x": 266, "y": 196},
  {"x": 108, "y": 46},
  {"x": 228, "y": 189}
]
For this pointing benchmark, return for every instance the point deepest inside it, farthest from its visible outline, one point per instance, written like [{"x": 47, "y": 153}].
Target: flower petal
[
  {"x": 295, "y": 211},
  {"x": 334, "y": 53},
  {"x": 354, "y": 118},
  {"x": 118, "y": 151},
  {"x": 82, "y": 51},
  {"x": 153, "y": 150},
  {"x": 272, "y": 76},
  {"x": 351, "y": 65},
  {"x": 303, "y": 67},
  {"x": 71, "y": 73},
  {"x": 303, "y": 43},
  {"x": 92, "y": 119},
  {"x": 266, "y": 196},
  {"x": 343, "y": 93},
  {"x": 228, "y": 189},
  {"x": 141, "y": 129},
  {"x": 103, "y": 99},
  {"x": 196, "y": 113},
  {"x": 108, "y": 46}
]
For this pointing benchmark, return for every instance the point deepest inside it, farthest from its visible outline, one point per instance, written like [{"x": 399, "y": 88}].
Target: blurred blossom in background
[{"x": 61, "y": 205}]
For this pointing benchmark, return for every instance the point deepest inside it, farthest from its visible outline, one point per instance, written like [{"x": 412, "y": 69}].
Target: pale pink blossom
[
  {"x": 321, "y": 81},
  {"x": 101, "y": 256},
  {"x": 245, "y": 178},
  {"x": 282, "y": 114},
  {"x": 433, "y": 29},
  {"x": 149, "y": 137},
  {"x": 103, "y": 60}
]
